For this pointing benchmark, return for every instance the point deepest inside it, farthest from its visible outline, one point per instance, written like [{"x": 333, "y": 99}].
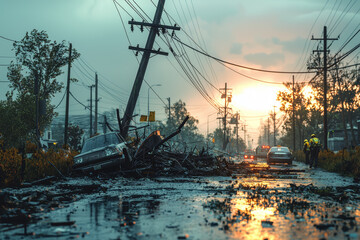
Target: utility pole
[
  {"x": 91, "y": 123},
  {"x": 293, "y": 112},
  {"x": 268, "y": 128},
  {"x": 96, "y": 103},
  {"x": 225, "y": 115},
  {"x": 227, "y": 95},
  {"x": 274, "y": 127},
  {"x": 104, "y": 124},
  {"x": 169, "y": 108},
  {"x": 143, "y": 63},
  {"x": 245, "y": 132},
  {"x": 237, "y": 132},
  {"x": 325, "y": 51},
  {"x": 67, "y": 99},
  {"x": 37, "y": 117}
]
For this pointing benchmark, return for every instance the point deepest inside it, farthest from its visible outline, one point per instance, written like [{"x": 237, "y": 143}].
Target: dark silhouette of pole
[
  {"x": 67, "y": 99},
  {"x": 325, "y": 51},
  {"x": 91, "y": 123},
  {"x": 37, "y": 117},
  {"x": 225, "y": 115},
  {"x": 293, "y": 113},
  {"x": 274, "y": 127},
  {"x": 268, "y": 128},
  {"x": 237, "y": 132},
  {"x": 96, "y": 103},
  {"x": 142, "y": 67},
  {"x": 169, "y": 108}
]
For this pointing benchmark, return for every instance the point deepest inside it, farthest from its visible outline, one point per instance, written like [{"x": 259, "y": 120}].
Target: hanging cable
[{"x": 237, "y": 65}]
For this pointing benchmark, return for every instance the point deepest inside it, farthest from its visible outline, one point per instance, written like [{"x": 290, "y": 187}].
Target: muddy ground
[{"x": 256, "y": 202}]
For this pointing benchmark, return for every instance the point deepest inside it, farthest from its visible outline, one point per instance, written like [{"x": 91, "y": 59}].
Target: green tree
[
  {"x": 75, "y": 134},
  {"x": 301, "y": 105},
  {"x": 39, "y": 58},
  {"x": 189, "y": 136}
]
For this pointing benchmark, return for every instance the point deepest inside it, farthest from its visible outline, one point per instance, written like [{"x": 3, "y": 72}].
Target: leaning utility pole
[
  {"x": 325, "y": 51},
  {"x": 128, "y": 114},
  {"x": 293, "y": 111},
  {"x": 67, "y": 99},
  {"x": 96, "y": 103}
]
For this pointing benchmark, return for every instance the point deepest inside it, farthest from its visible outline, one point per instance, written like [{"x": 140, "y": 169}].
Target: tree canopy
[{"x": 37, "y": 58}]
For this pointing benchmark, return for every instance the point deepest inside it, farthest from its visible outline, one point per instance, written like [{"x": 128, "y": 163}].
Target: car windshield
[
  {"x": 279, "y": 149},
  {"x": 101, "y": 141}
]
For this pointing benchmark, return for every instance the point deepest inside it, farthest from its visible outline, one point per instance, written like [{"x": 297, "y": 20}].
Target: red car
[{"x": 249, "y": 154}]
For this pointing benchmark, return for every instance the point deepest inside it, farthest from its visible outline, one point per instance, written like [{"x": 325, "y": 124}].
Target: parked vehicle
[
  {"x": 104, "y": 151},
  {"x": 279, "y": 154}
]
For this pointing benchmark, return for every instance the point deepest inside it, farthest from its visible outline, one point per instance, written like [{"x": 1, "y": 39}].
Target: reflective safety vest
[
  {"x": 306, "y": 146},
  {"x": 314, "y": 142}
]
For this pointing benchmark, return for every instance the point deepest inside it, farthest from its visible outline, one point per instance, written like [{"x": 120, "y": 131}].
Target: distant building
[
  {"x": 336, "y": 138},
  {"x": 46, "y": 139}
]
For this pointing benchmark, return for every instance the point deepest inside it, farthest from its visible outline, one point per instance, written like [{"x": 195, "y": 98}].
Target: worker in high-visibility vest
[
  {"x": 314, "y": 150},
  {"x": 306, "y": 150}
]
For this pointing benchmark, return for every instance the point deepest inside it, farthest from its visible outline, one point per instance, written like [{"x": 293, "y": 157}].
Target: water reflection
[{"x": 256, "y": 212}]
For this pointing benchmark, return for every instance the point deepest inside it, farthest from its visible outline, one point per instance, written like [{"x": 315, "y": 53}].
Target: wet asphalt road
[{"x": 298, "y": 204}]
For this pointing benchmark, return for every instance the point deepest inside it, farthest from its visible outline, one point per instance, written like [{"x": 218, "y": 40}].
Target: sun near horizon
[{"x": 256, "y": 100}]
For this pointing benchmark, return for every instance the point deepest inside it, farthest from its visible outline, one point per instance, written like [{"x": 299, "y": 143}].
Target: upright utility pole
[
  {"x": 245, "y": 133},
  {"x": 169, "y": 108},
  {"x": 143, "y": 63},
  {"x": 268, "y": 128},
  {"x": 37, "y": 111},
  {"x": 96, "y": 103},
  {"x": 91, "y": 123},
  {"x": 67, "y": 99},
  {"x": 274, "y": 127},
  {"x": 225, "y": 115},
  {"x": 227, "y": 95},
  {"x": 293, "y": 112},
  {"x": 237, "y": 132},
  {"x": 325, "y": 51}
]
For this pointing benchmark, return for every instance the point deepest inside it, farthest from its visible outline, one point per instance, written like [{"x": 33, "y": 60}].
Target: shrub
[
  {"x": 10, "y": 167},
  {"x": 39, "y": 165}
]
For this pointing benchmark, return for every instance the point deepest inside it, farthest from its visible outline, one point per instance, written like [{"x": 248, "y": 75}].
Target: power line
[
  {"x": 60, "y": 101},
  {"x": 237, "y": 65},
  {"x": 7, "y": 39}
]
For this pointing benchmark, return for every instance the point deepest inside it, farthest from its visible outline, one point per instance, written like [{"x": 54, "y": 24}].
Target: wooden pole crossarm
[
  {"x": 148, "y": 50},
  {"x": 154, "y": 25}
]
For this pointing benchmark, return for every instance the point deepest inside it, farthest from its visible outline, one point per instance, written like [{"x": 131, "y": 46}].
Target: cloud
[
  {"x": 236, "y": 48},
  {"x": 264, "y": 59},
  {"x": 294, "y": 46}
]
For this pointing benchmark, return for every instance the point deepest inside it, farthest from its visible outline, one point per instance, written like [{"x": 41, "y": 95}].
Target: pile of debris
[{"x": 165, "y": 163}]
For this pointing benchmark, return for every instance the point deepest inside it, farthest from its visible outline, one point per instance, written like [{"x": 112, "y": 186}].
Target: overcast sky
[{"x": 272, "y": 35}]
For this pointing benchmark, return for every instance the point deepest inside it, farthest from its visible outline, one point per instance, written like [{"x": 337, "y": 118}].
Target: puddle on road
[{"x": 262, "y": 205}]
